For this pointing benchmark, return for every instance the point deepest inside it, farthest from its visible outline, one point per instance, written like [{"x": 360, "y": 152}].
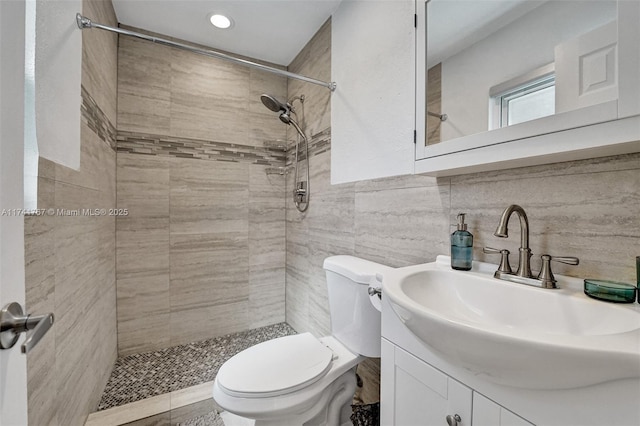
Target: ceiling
[
  {"x": 454, "y": 25},
  {"x": 269, "y": 30},
  {"x": 277, "y": 30}
]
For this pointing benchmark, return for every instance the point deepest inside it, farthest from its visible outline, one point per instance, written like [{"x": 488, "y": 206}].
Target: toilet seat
[{"x": 275, "y": 367}]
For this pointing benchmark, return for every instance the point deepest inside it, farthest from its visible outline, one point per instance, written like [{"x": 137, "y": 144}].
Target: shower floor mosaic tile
[{"x": 139, "y": 376}]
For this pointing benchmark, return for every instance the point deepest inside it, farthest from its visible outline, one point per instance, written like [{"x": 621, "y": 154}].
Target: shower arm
[{"x": 84, "y": 22}]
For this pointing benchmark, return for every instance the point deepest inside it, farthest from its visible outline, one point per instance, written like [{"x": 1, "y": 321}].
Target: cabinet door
[
  {"x": 416, "y": 394},
  {"x": 488, "y": 413}
]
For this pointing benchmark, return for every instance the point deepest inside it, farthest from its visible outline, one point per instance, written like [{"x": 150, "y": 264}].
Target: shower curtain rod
[{"x": 84, "y": 22}]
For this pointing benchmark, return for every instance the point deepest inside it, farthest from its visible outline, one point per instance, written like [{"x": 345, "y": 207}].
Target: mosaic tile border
[
  {"x": 318, "y": 144},
  {"x": 140, "y": 376},
  {"x": 96, "y": 119},
  {"x": 169, "y": 146}
]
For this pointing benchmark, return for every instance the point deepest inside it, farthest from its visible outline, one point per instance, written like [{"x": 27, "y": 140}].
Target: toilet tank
[{"x": 355, "y": 322}]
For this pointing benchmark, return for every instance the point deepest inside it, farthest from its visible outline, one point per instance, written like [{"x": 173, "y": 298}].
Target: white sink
[{"x": 514, "y": 334}]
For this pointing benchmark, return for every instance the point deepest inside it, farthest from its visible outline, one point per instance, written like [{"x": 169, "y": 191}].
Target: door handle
[{"x": 13, "y": 321}]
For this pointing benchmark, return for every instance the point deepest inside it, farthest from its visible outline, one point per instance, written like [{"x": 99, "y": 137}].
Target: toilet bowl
[{"x": 304, "y": 380}]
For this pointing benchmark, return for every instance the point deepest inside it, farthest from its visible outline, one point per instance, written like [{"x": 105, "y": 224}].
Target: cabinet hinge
[
  {"x": 415, "y": 136},
  {"x": 415, "y": 20}
]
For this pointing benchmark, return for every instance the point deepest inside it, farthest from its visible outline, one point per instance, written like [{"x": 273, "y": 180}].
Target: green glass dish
[{"x": 610, "y": 291}]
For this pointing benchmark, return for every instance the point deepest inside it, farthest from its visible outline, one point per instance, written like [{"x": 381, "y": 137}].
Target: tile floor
[
  {"x": 171, "y": 387},
  {"x": 203, "y": 413},
  {"x": 140, "y": 376}
]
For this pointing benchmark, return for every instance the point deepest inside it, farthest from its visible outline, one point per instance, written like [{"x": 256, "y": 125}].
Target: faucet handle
[
  {"x": 504, "y": 267},
  {"x": 546, "y": 275},
  {"x": 569, "y": 260}
]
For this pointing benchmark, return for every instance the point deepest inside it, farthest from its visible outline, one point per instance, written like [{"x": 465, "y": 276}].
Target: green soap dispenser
[{"x": 461, "y": 246}]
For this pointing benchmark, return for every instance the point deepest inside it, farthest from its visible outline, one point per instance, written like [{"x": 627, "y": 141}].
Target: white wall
[
  {"x": 372, "y": 109},
  {"x": 58, "y": 70},
  {"x": 522, "y": 46}
]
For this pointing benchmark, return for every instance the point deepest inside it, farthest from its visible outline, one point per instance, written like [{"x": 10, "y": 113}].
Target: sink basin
[{"x": 513, "y": 334}]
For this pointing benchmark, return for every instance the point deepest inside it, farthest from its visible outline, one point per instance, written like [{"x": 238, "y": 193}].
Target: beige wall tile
[
  {"x": 314, "y": 60},
  {"x": 142, "y": 252},
  {"x": 40, "y": 299},
  {"x": 70, "y": 260},
  {"x": 266, "y": 218},
  {"x": 144, "y": 334},
  {"x": 267, "y": 295},
  {"x": 402, "y": 226},
  {"x": 209, "y": 98},
  {"x": 297, "y": 302},
  {"x": 208, "y": 196},
  {"x": 212, "y": 321},
  {"x": 588, "y": 215},
  {"x": 144, "y": 82},
  {"x": 99, "y": 56},
  {"x": 208, "y": 270},
  {"x": 143, "y": 186},
  {"x": 143, "y": 297},
  {"x": 263, "y": 124}
]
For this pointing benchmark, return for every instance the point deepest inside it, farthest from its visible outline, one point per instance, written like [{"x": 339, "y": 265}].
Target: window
[{"x": 523, "y": 99}]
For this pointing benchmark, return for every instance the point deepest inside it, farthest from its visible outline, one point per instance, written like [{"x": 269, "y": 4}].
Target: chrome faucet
[{"x": 524, "y": 263}]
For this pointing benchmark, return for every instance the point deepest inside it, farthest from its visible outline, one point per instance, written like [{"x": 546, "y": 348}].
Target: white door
[{"x": 13, "y": 364}]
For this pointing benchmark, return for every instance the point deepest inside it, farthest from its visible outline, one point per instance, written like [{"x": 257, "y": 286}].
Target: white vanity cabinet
[
  {"x": 421, "y": 395},
  {"x": 415, "y": 393},
  {"x": 420, "y": 386},
  {"x": 488, "y": 413}
]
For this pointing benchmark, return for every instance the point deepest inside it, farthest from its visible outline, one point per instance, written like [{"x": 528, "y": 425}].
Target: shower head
[
  {"x": 273, "y": 104},
  {"x": 285, "y": 111}
]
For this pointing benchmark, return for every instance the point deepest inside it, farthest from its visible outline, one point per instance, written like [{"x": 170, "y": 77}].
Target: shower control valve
[{"x": 300, "y": 193}]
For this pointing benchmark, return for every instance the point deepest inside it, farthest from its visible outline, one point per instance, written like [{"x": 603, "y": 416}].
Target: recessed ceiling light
[{"x": 220, "y": 21}]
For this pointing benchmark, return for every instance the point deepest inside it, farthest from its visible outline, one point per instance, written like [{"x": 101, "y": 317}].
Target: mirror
[
  {"x": 518, "y": 83},
  {"x": 494, "y": 64}
]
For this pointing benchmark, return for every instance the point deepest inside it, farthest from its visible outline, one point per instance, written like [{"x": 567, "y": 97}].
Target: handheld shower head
[
  {"x": 273, "y": 104},
  {"x": 285, "y": 117},
  {"x": 285, "y": 111}
]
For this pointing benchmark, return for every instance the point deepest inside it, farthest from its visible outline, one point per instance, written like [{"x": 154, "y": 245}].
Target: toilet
[{"x": 300, "y": 379}]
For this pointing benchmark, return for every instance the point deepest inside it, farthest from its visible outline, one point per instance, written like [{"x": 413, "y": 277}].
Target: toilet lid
[{"x": 275, "y": 367}]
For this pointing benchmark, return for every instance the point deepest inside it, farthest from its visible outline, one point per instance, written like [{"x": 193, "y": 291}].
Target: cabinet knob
[{"x": 453, "y": 420}]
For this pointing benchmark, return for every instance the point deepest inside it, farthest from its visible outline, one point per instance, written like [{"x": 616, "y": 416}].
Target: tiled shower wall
[
  {"x": 201, "y": 252},
  {"x": 587, "y": 209},
  {"x": 70, "y": 260}
]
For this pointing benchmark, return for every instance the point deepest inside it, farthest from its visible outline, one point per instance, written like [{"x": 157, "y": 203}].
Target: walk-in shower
[
  {"x": 302, "y": 191},
  {"x": 286, "y": 110}
]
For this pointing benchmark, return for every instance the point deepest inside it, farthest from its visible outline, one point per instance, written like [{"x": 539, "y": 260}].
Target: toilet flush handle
[{"x": 373, "y": 291}]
